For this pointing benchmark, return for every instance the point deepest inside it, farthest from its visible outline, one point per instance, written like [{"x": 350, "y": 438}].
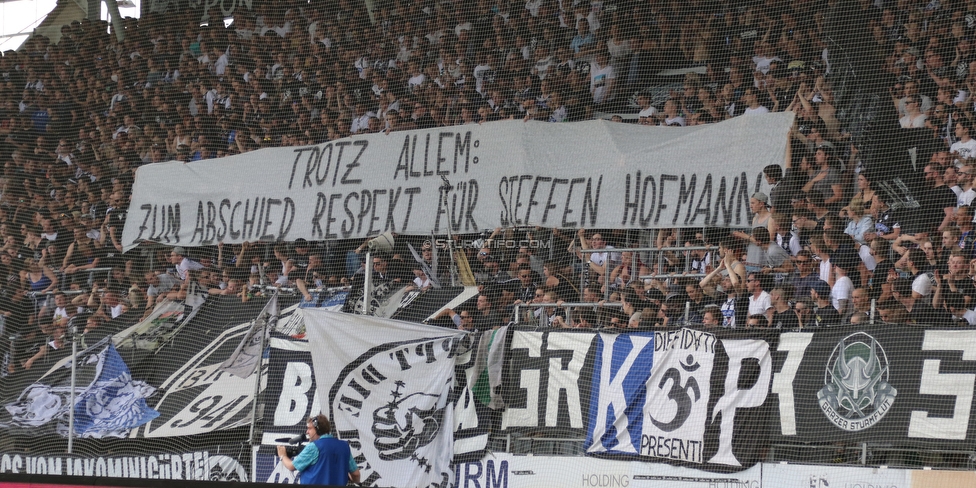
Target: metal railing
[{"x": 658, "y": 262}]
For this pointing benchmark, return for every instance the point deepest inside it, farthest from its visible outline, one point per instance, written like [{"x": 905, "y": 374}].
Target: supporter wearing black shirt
[
  {"x": 17, "y": 309},
  {"x": 784, "y": 317},
  {"x": 486, "y": 317},
  {"x": 884, "y": 270},
  {"x": 958, "y": 279},
  {"x": 937, "y": 202},
  {"x": 21, "y": 338},
  {"x": 381, "y": 274},
  {"x": 824, "y": 313},
  {"x": 920, "y": 311}
]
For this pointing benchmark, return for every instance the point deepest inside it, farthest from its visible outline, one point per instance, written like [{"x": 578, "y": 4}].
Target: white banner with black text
[{"x": 594, "y": 174}]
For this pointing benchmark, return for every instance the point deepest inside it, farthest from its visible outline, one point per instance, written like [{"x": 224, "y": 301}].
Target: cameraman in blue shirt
[{"x": 325, "y": 460}]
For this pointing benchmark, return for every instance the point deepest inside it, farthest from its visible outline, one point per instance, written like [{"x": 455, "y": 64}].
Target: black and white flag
[
  {"x": 246, "y": 357},
  {"x": 393, "y": 401}
]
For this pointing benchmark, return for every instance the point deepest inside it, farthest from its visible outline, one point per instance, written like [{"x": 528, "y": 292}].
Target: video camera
[{"x": 296, "y": 444}]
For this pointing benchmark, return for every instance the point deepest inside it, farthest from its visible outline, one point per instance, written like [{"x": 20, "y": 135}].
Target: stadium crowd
[{"x": 79, "y": 116}]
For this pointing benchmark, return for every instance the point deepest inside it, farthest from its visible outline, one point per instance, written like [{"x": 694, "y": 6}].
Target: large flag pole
[
  {"x": 71, "y": 402},
  {"x": 246, "y": 359},
  {"x": 257, "y": 389},
  {"x": 245, "y": 352}
]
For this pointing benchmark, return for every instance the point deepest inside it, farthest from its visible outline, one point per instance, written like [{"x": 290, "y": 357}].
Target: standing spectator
[
  {"x": 735, "y": 305},
  {"x": 779, "y": 195},
  {"x": 184, "y": 264},
  {"x": 955, "y": 303},
  {"x": 840, "y": 292},
  {"x": 647, "y": 114},
  {"x": 938, "y": 202},
  {"x": 584, "y": 41},
  {"x": 964, "y": 178},
  {"x": 860, "y": 305},
  {"x": 824, "y": 313},
  {"x": 914, "y": 118},
  {"x": 751, "y": 100},
  {"x": 711, "y": 317},
  {"x": 602, "y": 79},
  {"x": 596, "y": 262},
  {"x": 859, "y": 223},
  {"x": 964, "y": 149},
  {"x": 671, "y": 117},
  {"x": 824, "y": 178},
  {"x": 910, "y": 93},
  {"x": 760, "y": 302},
  {"x": 920, "y": 312}
]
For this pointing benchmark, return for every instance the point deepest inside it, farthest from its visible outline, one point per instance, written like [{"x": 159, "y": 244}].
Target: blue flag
[{"x": 113, "y": 404}]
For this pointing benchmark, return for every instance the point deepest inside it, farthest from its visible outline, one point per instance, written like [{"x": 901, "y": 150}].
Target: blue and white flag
[
  {"x": 107, "y": 401},
  {"x": 620, "y": 374},
  {"x": 114, "y": 403}
]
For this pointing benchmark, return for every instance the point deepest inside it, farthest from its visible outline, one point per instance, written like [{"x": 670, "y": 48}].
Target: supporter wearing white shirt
[
  {"x": 281, "y": 30},
  {"x": 964, "y": 177},
  {"x": 840, "y": 293},
  {"x": 671, "y": 117},
  {"x": 602, "y": 78},
  {"x": 760, "y": 303},
  {"x": 762, "y": 60},
  {"x": 598, "y": 260},
  {"x": 648, "y": 112},
  {"x": 220, "y": 67},
  {"x": 360, "y": 120},
  {"x": 914, "y": 118},
  {"x": 483, "y": 72},
  {"x": 183, "y": 264},
  {"x": 752, "y": 101},
  {"x": 417, "y": 77},
  {"x": 965, "y": 147}
]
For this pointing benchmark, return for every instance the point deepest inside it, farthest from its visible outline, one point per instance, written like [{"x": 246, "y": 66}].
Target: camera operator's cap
[
  {"x": 822, "y": 289},
  {"x": 179, "y": 250},
  {"x": 301, "y": 243},
  {"x": 761, "y": 197}
]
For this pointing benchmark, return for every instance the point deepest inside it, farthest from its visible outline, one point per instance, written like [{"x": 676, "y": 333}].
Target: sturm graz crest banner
[
  {"x": 398, "y": 403},
  {"x": 908, "y": 385}
]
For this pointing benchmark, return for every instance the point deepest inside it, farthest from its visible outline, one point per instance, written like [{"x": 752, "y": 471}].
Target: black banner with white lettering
[
  {"x": 290, "y": 397},
  {"x": 224, "y": 457},
  {"x": 899, "y": 385},
  {"x": 547, "y": 378}
]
